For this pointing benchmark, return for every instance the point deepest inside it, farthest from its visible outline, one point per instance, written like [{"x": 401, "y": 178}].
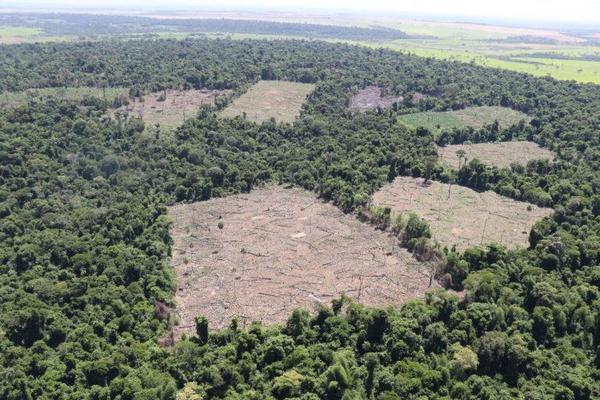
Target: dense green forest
[
  {"x": 84, "y": 240},
  {"x": 96, "y": 24}
]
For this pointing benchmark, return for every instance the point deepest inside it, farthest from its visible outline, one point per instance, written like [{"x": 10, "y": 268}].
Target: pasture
[
  {"x": 459, "y": 216},
  {"x": 280, "y": 100},
  {"x": 259, "y": 256},
  {"x": 475, "y": 117},
  {"x": 501, "y": 154}
]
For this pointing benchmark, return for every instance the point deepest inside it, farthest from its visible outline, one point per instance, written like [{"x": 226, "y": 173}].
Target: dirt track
[{"x": 278, "y": 250}]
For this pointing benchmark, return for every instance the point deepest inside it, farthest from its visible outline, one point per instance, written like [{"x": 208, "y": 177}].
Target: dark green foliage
[{"x": 84, "y": 240}]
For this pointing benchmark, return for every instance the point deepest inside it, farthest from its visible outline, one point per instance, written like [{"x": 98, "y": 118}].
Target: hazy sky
[{"x": 557, "y": 10}]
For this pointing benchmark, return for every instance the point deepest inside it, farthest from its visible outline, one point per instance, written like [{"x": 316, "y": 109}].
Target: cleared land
[
  {"x": 501, "y": 154},
  {"x": 17, "y": 34},
  {"x": 270, "y": 99},
  {"x": 475, "y": 117},
  {"x": 372, "y": 97},
  {"x": 171, "y": 108},
  {"x": 279, "y": 250},
  {"x": 461, "y": 216},
  {"x": 11, "y": 99}
]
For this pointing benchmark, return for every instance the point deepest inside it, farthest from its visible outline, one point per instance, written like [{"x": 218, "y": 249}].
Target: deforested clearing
[
  {"x": 460, "y": 216},
  {"x": 259, "y": 256},
  {"x": 280, "y": 100},
  {"x": 474, "y": 117},
  {"x": 500, "y": 154},
  {"x": 171, "y": 107},
  {"x": 372, "y": 97}
]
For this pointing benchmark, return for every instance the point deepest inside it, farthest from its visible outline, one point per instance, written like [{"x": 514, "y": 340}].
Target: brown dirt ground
[
  {"x": 467, "y": 218},
  {"x": 370, "y": 98},
  {"x": 178, "y": 104},
  {"x": 501, "y": 154},
  {"x": 279, "y": 250}
]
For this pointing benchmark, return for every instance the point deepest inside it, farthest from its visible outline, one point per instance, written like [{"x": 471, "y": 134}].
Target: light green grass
[
  {"x": 475, "y": 117},
  {"x": 270, "y": 99},
  {"x": 18, "y": 34},
  {"x": 71, "y": 93},
  {"x": 15, "y": 34}
]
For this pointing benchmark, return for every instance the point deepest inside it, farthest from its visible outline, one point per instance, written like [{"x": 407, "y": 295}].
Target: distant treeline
[
  {"x": 89, "y": 24},
  {"x": 558, "y": 56}
]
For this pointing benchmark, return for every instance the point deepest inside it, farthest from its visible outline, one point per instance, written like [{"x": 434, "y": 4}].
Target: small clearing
[
  {"x": 278, "y": 250},
  {"x": 172, "y": 107},
  {"x": 475, "y": 117},
  {"x": 372, "y": 97},
  {"x": 281, "y": 100},
  {"x": 460, "y": 216},
  {"x": 501, "y": 154}
]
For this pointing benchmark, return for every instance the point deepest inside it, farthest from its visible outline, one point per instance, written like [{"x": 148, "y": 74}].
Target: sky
[{"x": 541, "y": 10}]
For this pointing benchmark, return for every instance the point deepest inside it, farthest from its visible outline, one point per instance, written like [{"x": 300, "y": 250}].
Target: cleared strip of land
[
  {"x": 501, "y": 154},
  {"x": 171, "y": 108},
  {"x": 259, "y": 256},
  {"x": 460, "y": 216},
  {"x": 474, "y": 117},
  {"x": 270, "y": 99}
]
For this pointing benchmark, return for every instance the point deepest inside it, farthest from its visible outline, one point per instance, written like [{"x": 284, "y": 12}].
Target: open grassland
[
  {"x": 70, "y": 93},
  {"x": 18, "y": 34},
  {"x": 501, "y": 154},
  {"x": 270, "y": 99},
  {"x": 170, "y": 108},
  {"x": 508, "y": 57},
  {"x": 259, "y": 256},
  {"x": 12, "y": 35},
  {"x": 475, "y": 117},
  {"x": 461, "y": 216}
]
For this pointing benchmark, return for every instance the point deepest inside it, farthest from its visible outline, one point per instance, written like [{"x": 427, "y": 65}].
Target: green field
[
  {"x": 280, "y": 100},
  {"x": 475, "y": 117},
  {"x": 17, "y": 34},
  {"x": 72, "y": 93},
  {"x": 11, "y": 35}
]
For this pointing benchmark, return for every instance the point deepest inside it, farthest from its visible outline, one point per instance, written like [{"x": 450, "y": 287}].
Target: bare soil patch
[
  {"x": 460, "y": 216},
  {"x": 170, "y": 108},
  {"x": 373, "y": 97},
  {"x": 501, "y": 154},
  {"x": 279, "y": 250},
  {"x": 280, "y": 100}
]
